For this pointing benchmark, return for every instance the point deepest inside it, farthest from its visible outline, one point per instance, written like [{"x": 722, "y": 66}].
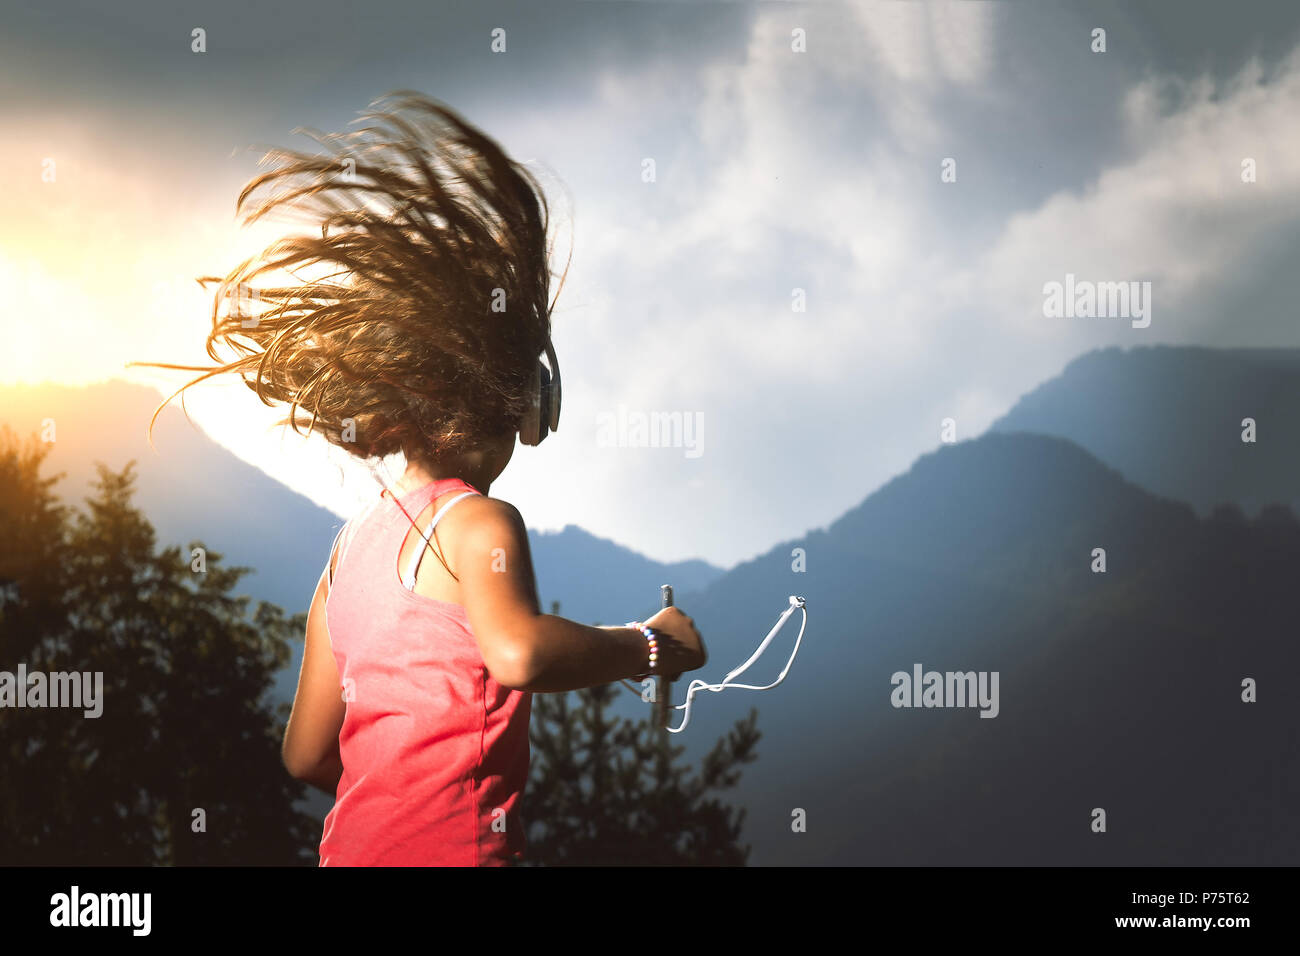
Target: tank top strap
[{"x": 413, "y": 503}]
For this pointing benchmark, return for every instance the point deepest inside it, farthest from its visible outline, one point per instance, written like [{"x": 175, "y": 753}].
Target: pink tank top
[{"x": 435, "y": 752}]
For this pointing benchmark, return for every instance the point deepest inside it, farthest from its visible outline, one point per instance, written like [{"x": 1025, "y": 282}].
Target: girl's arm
[
  {"x": 311, "y": 741},
  {"x": 524, "y": 649}
]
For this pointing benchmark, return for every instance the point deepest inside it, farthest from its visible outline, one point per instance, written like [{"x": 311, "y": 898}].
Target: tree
[
  {"x": 609, "y": 791},
  {"x": 182, "y": 766}
]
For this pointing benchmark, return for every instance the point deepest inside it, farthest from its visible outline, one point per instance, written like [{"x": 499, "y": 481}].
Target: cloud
[
  {"x": 776, "y": 171},
  {"x": 1176, "y": 211},
  {"x": 821, "y": 171}
]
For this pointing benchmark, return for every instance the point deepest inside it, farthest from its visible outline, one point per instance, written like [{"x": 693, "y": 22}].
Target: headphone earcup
[
  {"x": 553, "y": 401},
  {"x": 532, "y": 428},
  {"x": 545, "y": 402},
  {"x": 543, "y": 415},
  {"x": 553, "y": 395}
]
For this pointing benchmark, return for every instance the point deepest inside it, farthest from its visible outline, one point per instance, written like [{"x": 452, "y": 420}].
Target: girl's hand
[{"x": 684, "y": 649}]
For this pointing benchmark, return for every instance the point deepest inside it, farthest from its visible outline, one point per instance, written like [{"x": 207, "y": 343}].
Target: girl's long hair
[{"x": 426, "y": 307}]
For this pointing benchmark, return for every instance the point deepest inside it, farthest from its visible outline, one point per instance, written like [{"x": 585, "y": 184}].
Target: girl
[{"x": 421, "y": 332}]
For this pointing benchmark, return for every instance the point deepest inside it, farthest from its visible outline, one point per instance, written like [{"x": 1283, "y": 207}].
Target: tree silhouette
[
  {"x": 183, "y": 765},
  {"x": 603, "y": 790}
]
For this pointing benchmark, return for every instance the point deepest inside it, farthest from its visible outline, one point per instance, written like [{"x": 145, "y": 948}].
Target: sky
[{"x": 855, "y": 211}]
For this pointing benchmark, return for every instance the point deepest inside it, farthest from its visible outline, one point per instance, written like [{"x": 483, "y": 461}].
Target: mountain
[
  {"x": 1118, "y": 690},
  {"x": 192, "y": 489},
  {"x": 627, "y": 584},
  {"x": 1169, "y": 418}
]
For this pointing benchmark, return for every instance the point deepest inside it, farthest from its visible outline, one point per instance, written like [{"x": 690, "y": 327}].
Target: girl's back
[{"x": 434, "y": 751}]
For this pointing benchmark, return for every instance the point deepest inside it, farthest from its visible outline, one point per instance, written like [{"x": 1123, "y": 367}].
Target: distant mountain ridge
[
  {"x": 190, "y": 488},
  {"x": 1115, "y": 687},
  {"x": 1169, "y": 418},
  {"x": 629, "y": 582}
]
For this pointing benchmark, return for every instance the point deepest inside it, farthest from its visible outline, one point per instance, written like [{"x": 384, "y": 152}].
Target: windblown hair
[{"x": 427, "y": 309}]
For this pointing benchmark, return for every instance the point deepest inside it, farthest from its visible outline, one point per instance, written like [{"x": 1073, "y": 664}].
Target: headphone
[{"x": 543, "y": 414}]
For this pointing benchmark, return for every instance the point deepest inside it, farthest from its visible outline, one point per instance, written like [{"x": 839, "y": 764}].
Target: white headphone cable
[{"x": 699, "y": 685}]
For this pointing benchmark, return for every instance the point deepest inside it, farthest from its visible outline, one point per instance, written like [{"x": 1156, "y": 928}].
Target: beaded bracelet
[{"x": 652, "y": 640}]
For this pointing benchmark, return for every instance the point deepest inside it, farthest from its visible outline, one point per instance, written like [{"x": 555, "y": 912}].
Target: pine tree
[
  {"x": 603, "y": 790},
  {"x": 183, "y": 765}
]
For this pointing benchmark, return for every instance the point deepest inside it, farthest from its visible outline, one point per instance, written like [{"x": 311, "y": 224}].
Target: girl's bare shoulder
[{"x": 479, "y": 515}]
